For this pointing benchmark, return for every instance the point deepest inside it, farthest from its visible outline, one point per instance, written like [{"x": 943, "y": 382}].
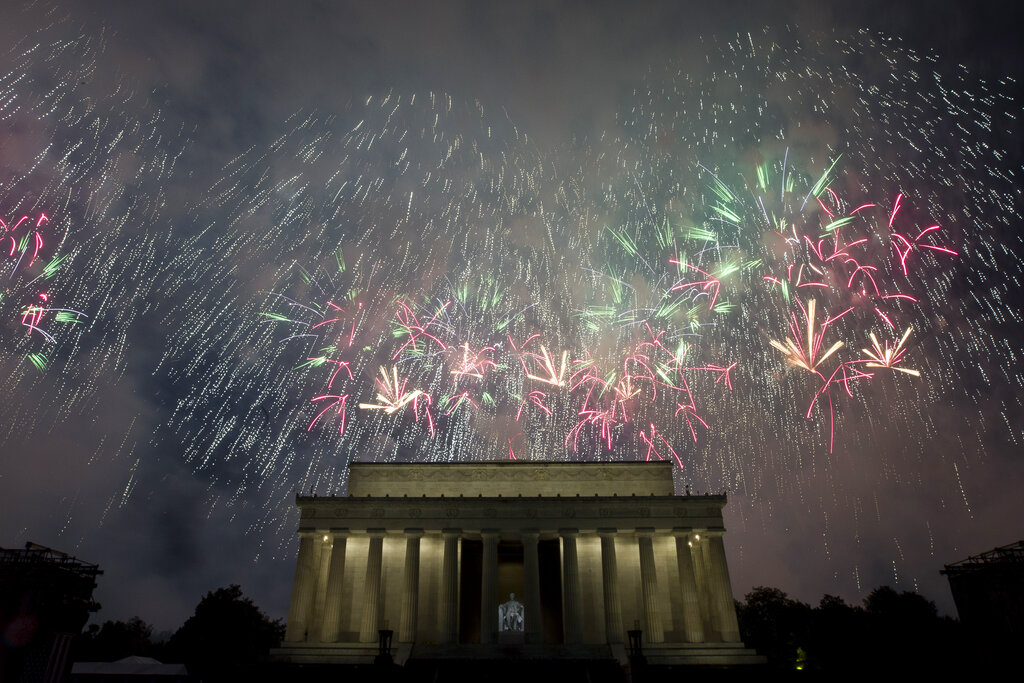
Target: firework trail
[
  {"x": 86, "y": 161},
  {"x": 893, "y": 212},
  {"x": 615, "y": 298},
  {"x": 27, "y": 274},
  {"x": 485, "y": 299}
]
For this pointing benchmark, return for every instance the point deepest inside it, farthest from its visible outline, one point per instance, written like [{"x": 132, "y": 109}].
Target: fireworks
[
  {"x": 415, "y": 279},
  {"x": 808, "y": 357},
  {"x": 631, "y": 310},
  {"x": 36, "y": 312},
  {"x": 86, "y": 166},
  {"x": 608, "y": 390},
  {"x": 889, "y": 357}
]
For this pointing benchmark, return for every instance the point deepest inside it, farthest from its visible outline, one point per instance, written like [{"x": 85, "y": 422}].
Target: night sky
[{"x": 206, "y": 167}]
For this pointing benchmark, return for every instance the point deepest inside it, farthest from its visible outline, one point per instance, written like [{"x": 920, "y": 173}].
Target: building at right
[{"x": 988, "y": 590}]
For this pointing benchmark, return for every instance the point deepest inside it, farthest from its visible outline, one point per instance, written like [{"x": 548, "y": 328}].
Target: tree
[
  {"x": 838, "y": 637},
  {"x": 115, "y": 640},
  {"x": 774, "y": 624},
  {"x": 908, "y": 634},
  {"x": 892, "y": 633},
  {"x": 902, "y": 607},
  {"x": 226, "y": 634}
]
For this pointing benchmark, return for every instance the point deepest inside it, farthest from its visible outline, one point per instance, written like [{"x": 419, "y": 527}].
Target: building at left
[{"x": 45, "y": 600}]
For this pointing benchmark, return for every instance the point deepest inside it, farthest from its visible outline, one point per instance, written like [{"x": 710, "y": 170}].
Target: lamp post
[
  {"x": 637, "y": 662},
  {"x": 383, "y": 657},
  {"x": 635, "y": 642}
]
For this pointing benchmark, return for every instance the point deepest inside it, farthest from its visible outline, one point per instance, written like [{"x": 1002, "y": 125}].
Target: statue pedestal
[{"x": 511, "y": 638}]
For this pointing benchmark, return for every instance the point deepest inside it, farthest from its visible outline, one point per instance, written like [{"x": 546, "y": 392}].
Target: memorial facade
[{"x": 535, "y": 559}]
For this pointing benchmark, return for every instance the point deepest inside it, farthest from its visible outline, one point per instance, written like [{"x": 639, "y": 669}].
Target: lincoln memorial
[{"x": 498, "y": 559}]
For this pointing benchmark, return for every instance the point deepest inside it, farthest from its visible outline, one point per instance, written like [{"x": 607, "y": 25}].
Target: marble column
[
  {"x": 655, "y": 632},
  {"x": 610, "y": 581},
  {"x": 725, "y": 608},
  {"x": 331, "y": 628},
  {"x": 303, "y": 587},
  {"x": 315, "y": 626},
  {"x": 691, "y": 619},
  {"x": 448, "y": 606},
  {"x": 700, "y": 574},
  {"x": 489, "y": 587},
  {"x": 571, "y": 586},
  {"x": 371, "y": 587},
  {"x": 410, "y": 586},
  {"x": 531, "y": 579}
]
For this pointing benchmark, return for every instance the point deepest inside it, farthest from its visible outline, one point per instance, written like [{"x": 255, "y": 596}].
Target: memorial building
[{"x": 512, "y": 559}]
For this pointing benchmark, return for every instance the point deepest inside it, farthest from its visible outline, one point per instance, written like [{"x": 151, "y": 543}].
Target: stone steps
[
  {"x": 697, "y": 654},
  {"x": 516, "y": 670}
]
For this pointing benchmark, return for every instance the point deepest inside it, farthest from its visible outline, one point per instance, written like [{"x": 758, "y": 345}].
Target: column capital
[
  {"x": 376, "y": 533},
  {"x": 308, "y": 533},
  {"x": 568, "y": 533},
  {"x": 532, "y": 535},
  {"x": 489, "y": 534},
  {"x": 339, "y": 532},
  {"x": 714, "y": 533},
  {"x": 448, "y": 533},
  {"x": 645, "y": 531},
  {"x": 607, "y": 531},
  {"x": 413, "y": 533},
  {"x": 682, "y": 532}
]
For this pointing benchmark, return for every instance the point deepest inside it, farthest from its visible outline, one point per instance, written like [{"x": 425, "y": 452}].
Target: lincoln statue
[{"x": 510, "y": 614}]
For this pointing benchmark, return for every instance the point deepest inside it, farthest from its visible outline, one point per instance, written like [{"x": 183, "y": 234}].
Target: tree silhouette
[
  {"x": 838, "y": 637},
  {"x": 893, "y": 632},
  {"x": 227, "y": 634},
  {"x": 774, "y": 624},
  {"x": 907, "y": 633},
  {"x": 115, "y": 640}
]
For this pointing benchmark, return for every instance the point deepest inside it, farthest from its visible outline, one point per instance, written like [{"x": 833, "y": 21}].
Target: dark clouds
[{"x": 556, "y": 67}]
